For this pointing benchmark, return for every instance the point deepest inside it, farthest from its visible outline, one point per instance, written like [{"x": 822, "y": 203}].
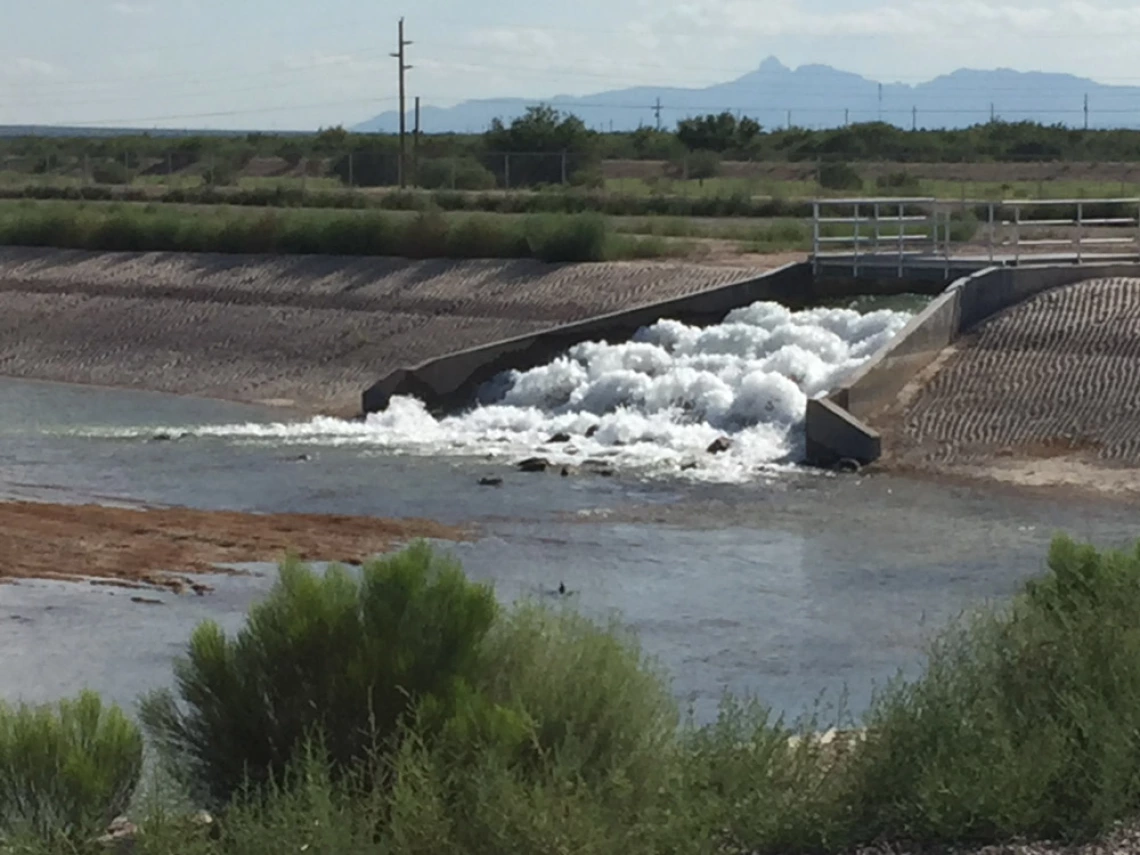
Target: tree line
[{"x": 559, "y": 148}]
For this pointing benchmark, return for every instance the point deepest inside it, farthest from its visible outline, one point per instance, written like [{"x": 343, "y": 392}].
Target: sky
[{"x": 291, "y": 65}]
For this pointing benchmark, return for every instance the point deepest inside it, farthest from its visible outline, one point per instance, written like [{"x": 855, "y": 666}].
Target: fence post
[
  {"x": 507, "y": 171},
  {"x": 815, "y": 236},
  {"x": 351, "y": 172},
  {"x": 86, "y": 168},
  {"x": 992, "y": 234},
  {"x": 1080, "y": 230},
  {"x": 453, "y": 173},
  {"x": 855, "y": 271},
  {"x": 902, "y": 239},
  {"x": 563, "y": 166}
]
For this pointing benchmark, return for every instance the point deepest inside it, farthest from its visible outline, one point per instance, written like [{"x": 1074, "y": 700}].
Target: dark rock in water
[
  {"x": 598, "y": 467},
  {"x": 846, "y": 464},
  {"x": 591, "y": 430},
  {"x": 490, "y": 482},
  {"x": 559, "y": 437},
  {"x": 719, "y": 445},
  {"x": 534, "y": 464},
  {"x": 562, "y": 587},
  {"x": 302, "y": 458},
  {"x": 146, "y": 601},
  {"x": 688, "y": 464},
  {"x": 161, "y": 437},
  {"x": 565, "y": 471}
]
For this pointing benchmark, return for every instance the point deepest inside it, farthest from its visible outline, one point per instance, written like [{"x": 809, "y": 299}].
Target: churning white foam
[{"x": 653, "y": 404}]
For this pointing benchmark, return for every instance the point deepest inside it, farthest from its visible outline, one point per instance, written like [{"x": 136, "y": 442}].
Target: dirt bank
[
  {"x": 153, "y": 546},
  {"x": 1044, "y": 395},
  {"x": 302, "y": 331}
]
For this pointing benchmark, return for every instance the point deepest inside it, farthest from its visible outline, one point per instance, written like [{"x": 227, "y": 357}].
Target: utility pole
[
  {"x": 991, "y": 112},
  {"x": 789, "y": 120},
  {"x": 914, "y": 118},
  {"x": 657, "y": 112},
  {"x": 880, "y": 102},
  {"x": 399, "y": 56},
  {"x": 416, "y": 144},
  {"x": 1086, "y": 111},
  {"x": 846, "y": 116}
]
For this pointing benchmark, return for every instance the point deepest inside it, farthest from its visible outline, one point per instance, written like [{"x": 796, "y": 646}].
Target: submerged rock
[
  {"x": 559, "y": 437},
  {"x": 490, "y": 482},
  {"x": 846, "y": 464},
  {"x": 719, "y": 445},
  {"x": 534, "y": 464},
  {"x": 591, "y": 430}
]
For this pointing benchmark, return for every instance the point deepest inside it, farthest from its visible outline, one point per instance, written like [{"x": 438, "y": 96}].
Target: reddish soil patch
[{"x": 151, "y": 546}]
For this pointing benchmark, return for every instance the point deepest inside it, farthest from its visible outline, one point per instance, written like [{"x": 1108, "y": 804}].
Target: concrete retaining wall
[
  {"x": 451, "y": 381},
  {"x": 967, "y": 302}
]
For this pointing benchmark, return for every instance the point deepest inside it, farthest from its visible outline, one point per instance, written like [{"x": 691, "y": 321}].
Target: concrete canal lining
[{"x": 839, "y": 426}]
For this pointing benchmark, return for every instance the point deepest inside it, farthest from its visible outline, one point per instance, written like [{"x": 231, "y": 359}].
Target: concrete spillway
[{"x": 1055, "y": 376}]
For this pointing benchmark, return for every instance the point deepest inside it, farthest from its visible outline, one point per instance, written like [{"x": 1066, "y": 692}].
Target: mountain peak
[{"x": 772, "y": 66}]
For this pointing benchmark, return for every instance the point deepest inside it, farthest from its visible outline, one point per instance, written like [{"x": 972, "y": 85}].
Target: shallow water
[{"x": 789, "y": 585}]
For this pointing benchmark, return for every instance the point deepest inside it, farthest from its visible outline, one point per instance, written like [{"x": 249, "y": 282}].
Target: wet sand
[
  {"x": 306, "y": 332},
  {"x": 154, "y": 546},
  {"x": 1045, "y": 395}
]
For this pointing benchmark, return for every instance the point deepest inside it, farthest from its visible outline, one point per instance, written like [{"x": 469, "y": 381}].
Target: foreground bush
[
  {"x": 65, "y": 771},
  {"x": 569, "y": 744},
  {"x": 334, "y": 657},
  {"x": 1026, "y": 722}
]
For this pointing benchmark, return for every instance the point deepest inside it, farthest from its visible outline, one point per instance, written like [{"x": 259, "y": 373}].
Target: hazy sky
[{"x": 291, "y": 64}]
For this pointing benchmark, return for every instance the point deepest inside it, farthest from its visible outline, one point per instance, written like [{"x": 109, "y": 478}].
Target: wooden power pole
[{"x": 403, "y": 66}]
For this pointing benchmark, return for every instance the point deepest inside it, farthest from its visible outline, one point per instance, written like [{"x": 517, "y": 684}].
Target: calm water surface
[{"x": 787, "y": 588}]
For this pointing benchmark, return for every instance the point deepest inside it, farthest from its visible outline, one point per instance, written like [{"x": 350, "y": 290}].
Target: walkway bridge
[{"x": 928, "y": 239}]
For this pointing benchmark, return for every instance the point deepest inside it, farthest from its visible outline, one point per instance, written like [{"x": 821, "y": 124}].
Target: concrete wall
[
  {"x": 966, "y": 303},
  {"x": 452, "y": 381}
]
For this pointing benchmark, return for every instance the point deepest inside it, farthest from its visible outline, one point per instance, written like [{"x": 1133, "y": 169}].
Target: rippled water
[{"x": 788, "y": 585}]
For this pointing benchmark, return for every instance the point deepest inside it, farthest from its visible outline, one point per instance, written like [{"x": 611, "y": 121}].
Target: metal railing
[
  {"x": 885, "y": 233},
  {"x": 1021, "y": 236},
  {"x": 860, "y": 230}
]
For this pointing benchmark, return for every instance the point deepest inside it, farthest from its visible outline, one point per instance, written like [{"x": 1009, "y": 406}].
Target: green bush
[
  {"x": 65, "y": 771},
  {"x": 703, "y": 164},
  {"x": 429, "y": 234},
  {"x": 1026, "y": 721},
  {"x": 454, "y": 173},
  {"x": 839, "y": 176},
  {"x": 568, "y": 743},
  {"x": 331, "y": 656},
  {"x": 577, "y": 237}
]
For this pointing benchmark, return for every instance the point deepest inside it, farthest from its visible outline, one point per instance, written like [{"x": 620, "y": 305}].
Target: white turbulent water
[{"x": 651, "y": 404}]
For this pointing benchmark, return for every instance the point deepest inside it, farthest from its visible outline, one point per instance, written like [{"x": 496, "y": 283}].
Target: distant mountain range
[{"x": 814, "y": 96}]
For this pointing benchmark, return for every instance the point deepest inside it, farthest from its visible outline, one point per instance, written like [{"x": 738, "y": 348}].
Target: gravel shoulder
[
  {"x": 1045, "y": 395},
  {"x": 307, "y": 332}
]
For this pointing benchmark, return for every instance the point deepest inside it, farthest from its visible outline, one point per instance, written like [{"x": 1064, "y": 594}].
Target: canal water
[{"x": 748, "y": 574}]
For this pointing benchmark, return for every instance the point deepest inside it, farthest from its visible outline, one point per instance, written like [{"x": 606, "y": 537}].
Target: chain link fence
[{"x": 698, "y": 174}]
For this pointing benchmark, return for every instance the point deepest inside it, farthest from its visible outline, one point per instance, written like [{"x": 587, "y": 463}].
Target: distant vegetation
[
  {"x": 400, "y": 708},
  {"x": 546, "y": 147},
  {"x": 426, "y": 234}
]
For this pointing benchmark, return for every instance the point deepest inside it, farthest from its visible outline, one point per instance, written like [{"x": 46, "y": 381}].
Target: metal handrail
[{"x": 888, "y": 211}]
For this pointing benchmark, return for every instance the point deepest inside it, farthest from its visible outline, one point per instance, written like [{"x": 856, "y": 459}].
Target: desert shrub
[
  {"x": 753, "y": 783},
  {"x": 704, "y": 164},
  {"x": 1026, "y": 721},
  {"x": 110, "y": 172},
  {"x": 836, "y": 175},
  {"x": 576, "y": 237},
  {"x": 455, "y": 173},
  {"x": 898, "y": 182},
  {"x": 66, "y": 770},
  {"x": 567, "y": 743},
  {"x": 337, "y": 656}
]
